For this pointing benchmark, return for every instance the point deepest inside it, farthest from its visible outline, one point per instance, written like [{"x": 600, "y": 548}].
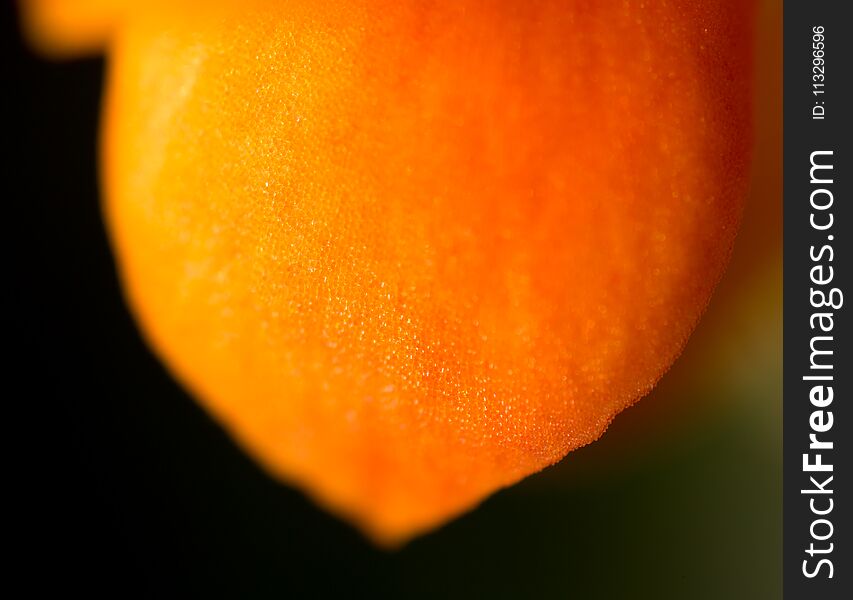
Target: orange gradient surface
[{"x": 411, "y": 252}]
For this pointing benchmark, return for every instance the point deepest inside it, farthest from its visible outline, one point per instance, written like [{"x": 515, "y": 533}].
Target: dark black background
[{"x": 130, "y": 490}]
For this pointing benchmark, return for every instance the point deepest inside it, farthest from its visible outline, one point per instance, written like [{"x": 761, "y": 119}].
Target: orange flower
[{"x": 406, "y": 252}]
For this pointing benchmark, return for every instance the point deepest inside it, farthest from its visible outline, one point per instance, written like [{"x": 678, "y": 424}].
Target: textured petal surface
[{"x": 411, "y": 252}]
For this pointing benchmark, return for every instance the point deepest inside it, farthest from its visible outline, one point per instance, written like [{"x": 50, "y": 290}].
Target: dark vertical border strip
[{"x": 818, "y": 370}]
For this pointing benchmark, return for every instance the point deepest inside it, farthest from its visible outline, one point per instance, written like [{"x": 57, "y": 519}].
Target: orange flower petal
[
  {"x": 61, "y": 27},
  {"x": 410, "y": 253}
]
